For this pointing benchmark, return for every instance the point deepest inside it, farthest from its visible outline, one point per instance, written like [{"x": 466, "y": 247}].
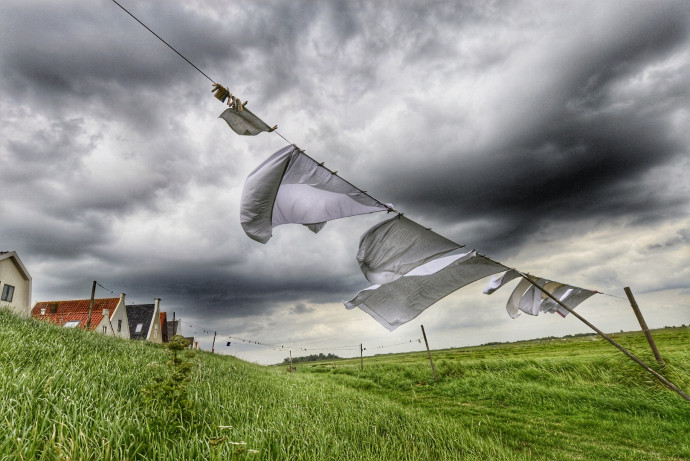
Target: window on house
[
  {"x": 138, "y": 328},
  {"x": 119, "y": 326},
  {"x": 105, "y": 329},
  {"x": 72, "y": 324},
  {"x": 7, "y": 293},
  {"x": 155, "y": 331},
  {"x": 43, "y": 311}
]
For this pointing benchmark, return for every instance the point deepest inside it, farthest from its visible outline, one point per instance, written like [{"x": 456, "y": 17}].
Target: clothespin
[
  {"x": 235, "y": 103},
  {"x": 220, "y": 92}
]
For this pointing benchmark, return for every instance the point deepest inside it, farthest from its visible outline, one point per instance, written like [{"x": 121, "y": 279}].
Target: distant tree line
[{"x": 312, "y": 358}]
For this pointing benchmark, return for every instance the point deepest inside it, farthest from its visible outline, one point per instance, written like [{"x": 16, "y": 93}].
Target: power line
[{"x": 106, "y": 289}]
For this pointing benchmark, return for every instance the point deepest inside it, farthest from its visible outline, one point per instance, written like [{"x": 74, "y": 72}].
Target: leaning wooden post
[
  {"x": 665, "y": 381},
  {"x": 644, "y": 327},
  {"x": 429, "y": 352}
]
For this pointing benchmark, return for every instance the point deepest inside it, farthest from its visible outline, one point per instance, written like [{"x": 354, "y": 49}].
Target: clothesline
[
  {"x": 284, "y": 347},
  {"x": 538, "y": 286}
]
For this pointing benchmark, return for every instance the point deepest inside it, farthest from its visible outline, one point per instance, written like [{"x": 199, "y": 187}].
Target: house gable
[
  {"x": 15, "y": 283},
  {"x": 139, "y": 318}
]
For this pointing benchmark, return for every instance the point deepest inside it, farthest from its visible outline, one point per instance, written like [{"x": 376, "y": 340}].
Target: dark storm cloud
[
  {"x": 214, "y": 293},
  {"x": 586, "y": 160}
]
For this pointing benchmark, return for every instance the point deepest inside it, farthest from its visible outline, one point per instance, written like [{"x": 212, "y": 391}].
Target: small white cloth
[
  {"x": 531, "y": 300},
  {"x": 244, "y": 122},
  {"x": 499, "y": 280},
  {"x": 290, "y": 187},
  {"x": 394, "y": 247},
  {"x": 400, "y": 301}
]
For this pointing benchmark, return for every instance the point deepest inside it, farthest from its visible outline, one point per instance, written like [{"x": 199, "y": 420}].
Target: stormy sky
[{"x": 551, "y": 136}]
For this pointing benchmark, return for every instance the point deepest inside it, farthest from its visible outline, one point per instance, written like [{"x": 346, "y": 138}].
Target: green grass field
[{"x": 67, "y": 394}]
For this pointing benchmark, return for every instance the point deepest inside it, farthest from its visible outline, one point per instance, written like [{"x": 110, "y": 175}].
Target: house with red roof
[
  {"x": 15, "y": 284},
  {"x": 108, "y": 315}
]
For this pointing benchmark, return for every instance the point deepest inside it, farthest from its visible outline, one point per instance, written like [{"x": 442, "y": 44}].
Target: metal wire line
[{"x": 161, "y": 39}]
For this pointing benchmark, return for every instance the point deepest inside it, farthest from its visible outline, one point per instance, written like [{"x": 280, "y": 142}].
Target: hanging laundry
[
  {"x": 290, "y": 187},
  {"x": 400, "y": 301},
  {"x": 244, "y": 122},
  {"x": 394, "y": 247},
  {"x": 531, "y": 300},
  {"x": 499, "y": 280}
]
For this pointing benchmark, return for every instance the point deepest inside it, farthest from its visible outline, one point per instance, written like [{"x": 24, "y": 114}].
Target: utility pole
[
  {"x": 88, "y": 319},
  {"x": 213, "y": 346},
  {"x": 429, "y": 352},
  {"x": 644, "y": 327}
]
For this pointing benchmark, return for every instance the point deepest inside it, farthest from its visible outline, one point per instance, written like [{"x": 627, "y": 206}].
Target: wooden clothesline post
[
  {"x": 665, "y": 381},
  {"x": 433, "y": 369},
  {"x": 361, "y": 357},
  {"x": 643, "y": 325}
]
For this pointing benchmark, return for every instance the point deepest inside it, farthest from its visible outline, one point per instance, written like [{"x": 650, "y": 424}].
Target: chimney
[
  {"x": 106, "y": 312},
  {"x": 122, "y": 298}
]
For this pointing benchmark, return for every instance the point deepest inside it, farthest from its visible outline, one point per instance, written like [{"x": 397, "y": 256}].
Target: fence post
[
  {"x": 644, "y": 327},
  {"x": 429, "y": 352},
  {"x": 361, "y": 357}
]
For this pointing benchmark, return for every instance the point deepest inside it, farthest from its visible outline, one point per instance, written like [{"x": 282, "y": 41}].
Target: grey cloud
[
  {"x": 680, "y": 239},
  {"x": 301, "y": 308}
]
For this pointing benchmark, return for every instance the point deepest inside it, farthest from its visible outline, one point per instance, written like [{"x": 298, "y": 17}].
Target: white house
[{"x": 15, "y": 284}]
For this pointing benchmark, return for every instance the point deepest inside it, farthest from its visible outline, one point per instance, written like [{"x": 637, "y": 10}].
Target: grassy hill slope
[{"x": 66, "y": 394}]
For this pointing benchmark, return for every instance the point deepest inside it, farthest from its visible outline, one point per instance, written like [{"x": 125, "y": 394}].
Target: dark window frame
[{"x": 7, "y": 293}]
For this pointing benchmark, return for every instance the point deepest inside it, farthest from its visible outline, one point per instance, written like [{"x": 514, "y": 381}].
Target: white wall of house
[
  {"x": 119, "y": 319},
  {"x": 155, "y": 333},
  {"x": 14, "y": 274},
  {"x": 115, "y": 323}
]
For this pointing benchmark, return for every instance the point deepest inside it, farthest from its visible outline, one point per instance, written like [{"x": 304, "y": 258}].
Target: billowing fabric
[
  {"x": 499, "y": 280},
  {"x": 394, "y": 247},
  {"x": 289, "y": 187},
  {"x": 531, "y": 300},
  {"x": 244, "y": 122},
  {"x": 400, "y": 301}
]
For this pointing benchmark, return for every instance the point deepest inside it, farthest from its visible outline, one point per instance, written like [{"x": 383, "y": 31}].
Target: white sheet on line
[
  {"x": 290, "y": 187},
  {"x": 400, "y": 301},
  {"x": 394, "y": 247},
  {"x": 529, "y": 299}
]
